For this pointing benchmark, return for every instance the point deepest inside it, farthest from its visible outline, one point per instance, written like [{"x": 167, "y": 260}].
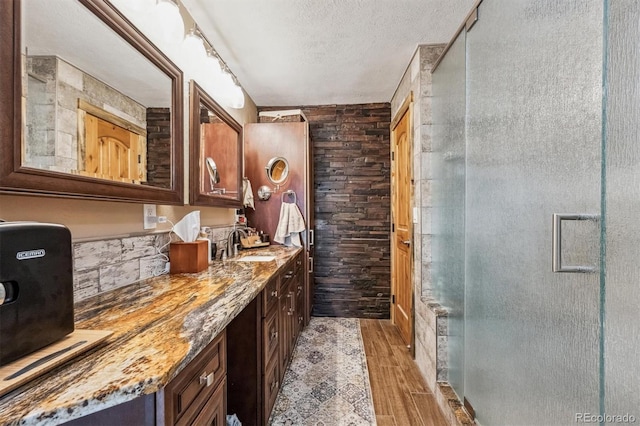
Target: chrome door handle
[
  {"x": 312, "y": 236},
  {"x": 556, "y": 247},
  {"x": 407, "y": 243}
]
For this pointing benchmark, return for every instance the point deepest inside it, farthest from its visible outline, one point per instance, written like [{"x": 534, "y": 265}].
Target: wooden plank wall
[{"x": 352, "y": 169}]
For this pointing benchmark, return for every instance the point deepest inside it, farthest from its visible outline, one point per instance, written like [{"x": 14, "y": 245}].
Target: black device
[{"x": 36, "y": 287}]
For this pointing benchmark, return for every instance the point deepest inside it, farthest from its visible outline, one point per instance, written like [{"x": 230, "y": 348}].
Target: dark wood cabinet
[
  {"x": 286, "y": 330},
  {"x": 283, "y": 319},
  {"x": 185, "y": 398},
  {"x": 264, "y": 141}
]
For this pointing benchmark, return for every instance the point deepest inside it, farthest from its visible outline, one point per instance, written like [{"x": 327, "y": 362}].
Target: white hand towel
[
  {"x": 247, "y": 194},
  {"x": 290, "y": 225}
]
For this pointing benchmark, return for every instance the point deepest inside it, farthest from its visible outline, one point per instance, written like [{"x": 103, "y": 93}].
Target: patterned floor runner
[{"x": 327, "y": 382}]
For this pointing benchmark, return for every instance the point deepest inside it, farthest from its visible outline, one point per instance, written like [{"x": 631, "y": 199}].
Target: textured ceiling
[{"x": 320, "y": 52}]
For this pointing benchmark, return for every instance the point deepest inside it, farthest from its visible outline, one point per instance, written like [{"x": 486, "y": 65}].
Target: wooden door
[
  {"x": 111, "y": 152},
  {"x": 401, "y": 235},
  {"x": 263, "y": 141}
]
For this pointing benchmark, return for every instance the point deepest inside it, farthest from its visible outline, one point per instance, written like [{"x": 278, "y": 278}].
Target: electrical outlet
[{"x": 149, "y": 216}]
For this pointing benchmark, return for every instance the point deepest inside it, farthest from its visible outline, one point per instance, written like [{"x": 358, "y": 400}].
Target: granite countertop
[{"x": 159, "y": 326}]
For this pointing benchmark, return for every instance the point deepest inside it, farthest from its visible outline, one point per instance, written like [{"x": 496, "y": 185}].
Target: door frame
[{"x": 405, "y": 108}]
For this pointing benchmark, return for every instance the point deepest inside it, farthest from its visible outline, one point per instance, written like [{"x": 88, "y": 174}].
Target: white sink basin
[{"x": 256, "y": 259}]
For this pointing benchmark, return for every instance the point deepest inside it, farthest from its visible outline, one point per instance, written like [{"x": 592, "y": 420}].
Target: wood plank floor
[{"x": 400, "y": 395}]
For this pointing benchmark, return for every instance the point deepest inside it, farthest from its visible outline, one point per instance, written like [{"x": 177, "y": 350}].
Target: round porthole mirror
[
  {"x": 213, "y": 171},
  {"x": 277, "y": 170}
]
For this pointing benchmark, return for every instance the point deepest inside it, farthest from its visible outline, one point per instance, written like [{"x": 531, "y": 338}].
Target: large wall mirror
[
  {"x": 215, "y": 153},
  {"x": 90, "y": 107}
]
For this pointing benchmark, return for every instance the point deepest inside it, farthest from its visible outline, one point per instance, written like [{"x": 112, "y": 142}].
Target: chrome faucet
[{"x": 232, "y": 246}]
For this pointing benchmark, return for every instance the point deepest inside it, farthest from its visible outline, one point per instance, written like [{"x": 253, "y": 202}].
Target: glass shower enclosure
[{"x": 536, "y": 194}]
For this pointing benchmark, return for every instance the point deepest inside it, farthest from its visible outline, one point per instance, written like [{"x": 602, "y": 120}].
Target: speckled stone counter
[{"x": 159, "y": 326}]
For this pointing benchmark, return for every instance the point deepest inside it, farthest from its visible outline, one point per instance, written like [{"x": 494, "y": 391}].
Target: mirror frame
[
  {"x": 16, "y": 178},
  {"x": 269, "y": 169},
  {"x": 197, "y": 198}
]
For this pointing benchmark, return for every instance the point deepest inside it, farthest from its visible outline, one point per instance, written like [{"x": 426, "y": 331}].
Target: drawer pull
[
  {"x": 289, "y": 275},
  {"x": 274, "y": 293},
  {"x": 274, "y": 385},
  {"x": 290, "y": 312},
  {"x": 206, "y": 379},
  {"x": 299, "y": 288}
]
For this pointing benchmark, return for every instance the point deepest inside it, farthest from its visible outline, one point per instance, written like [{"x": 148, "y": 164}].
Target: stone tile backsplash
[{"x": 103, "y": 265}]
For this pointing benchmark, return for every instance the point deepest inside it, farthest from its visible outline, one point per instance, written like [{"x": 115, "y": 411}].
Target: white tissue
[{"x": 188, "y": 227}]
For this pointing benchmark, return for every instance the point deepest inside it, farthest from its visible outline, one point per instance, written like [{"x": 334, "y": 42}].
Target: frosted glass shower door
[
  {"x": 448, "y": 195},
  {"x": 534, "y": 121},
  {"x": 622, "y": 315}
]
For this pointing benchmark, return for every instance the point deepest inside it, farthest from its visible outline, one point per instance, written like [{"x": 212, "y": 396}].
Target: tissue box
[{"x": 188, "y": 257}]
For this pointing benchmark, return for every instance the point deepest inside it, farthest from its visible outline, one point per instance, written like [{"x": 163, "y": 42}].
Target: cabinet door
[
  {"x": 214, "y": 412},
  {"x": 262, "y": 142},
  {"x": 271, "y": 386},
  {"x": 270, "y": 337},
  {"x": 285, "y": 305},
  {"x": 299, "y": 307}
]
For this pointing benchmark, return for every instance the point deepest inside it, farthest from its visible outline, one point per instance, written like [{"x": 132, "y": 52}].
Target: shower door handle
[{"x": 556, "y": 249}]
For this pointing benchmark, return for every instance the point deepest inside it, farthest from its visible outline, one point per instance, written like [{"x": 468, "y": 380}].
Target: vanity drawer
[
  {"x": 186, "y": 394},
  {"x": 270, "y": 296},
  {"x": 214, "y": 412},
  {"x": 292, "y": 270}
]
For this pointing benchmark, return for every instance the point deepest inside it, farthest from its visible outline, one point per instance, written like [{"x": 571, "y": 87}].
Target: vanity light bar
[{"x": 186, "y": 16}]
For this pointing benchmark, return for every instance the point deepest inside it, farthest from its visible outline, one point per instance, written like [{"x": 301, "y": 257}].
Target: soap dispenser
[{"x": 204, "y": 236}]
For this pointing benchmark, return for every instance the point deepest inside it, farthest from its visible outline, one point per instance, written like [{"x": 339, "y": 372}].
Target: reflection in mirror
[
  {"x": 94, "y": 105},
  {"x": 277, "y": 170},
  {"x": 216, "y": 143},
  {"x": 214, "y": 177}
]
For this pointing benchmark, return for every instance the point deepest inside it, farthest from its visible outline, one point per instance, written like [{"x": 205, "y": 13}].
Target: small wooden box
[{"x": 188, "y": 257}]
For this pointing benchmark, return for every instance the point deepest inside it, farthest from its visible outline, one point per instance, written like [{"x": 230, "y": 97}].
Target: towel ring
[{"x": 289, "y": 193}]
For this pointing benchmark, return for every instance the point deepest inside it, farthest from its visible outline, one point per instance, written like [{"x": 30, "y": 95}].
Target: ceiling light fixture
[
  {"x": 169, "y": 20},
  {"x": 165, "y": 25},
  {"x": 193, "y": 46}
]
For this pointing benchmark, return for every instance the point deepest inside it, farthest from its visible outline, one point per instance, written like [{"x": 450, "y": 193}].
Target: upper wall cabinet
[
  {"x": 90, "y": 108},
  {"x": 215, "y": 153}
]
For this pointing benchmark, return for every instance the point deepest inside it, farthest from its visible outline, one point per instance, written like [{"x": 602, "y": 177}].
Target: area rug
[{"x": 327, "y": 382}]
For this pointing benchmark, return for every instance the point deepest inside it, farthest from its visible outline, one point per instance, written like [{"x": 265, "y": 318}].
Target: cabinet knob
[
  {"x": 274, "y": 335},
  {"x": 206, "y": 379},
  {"x": 274, "y": 385},
  {"x": 274, "y": 293}
]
